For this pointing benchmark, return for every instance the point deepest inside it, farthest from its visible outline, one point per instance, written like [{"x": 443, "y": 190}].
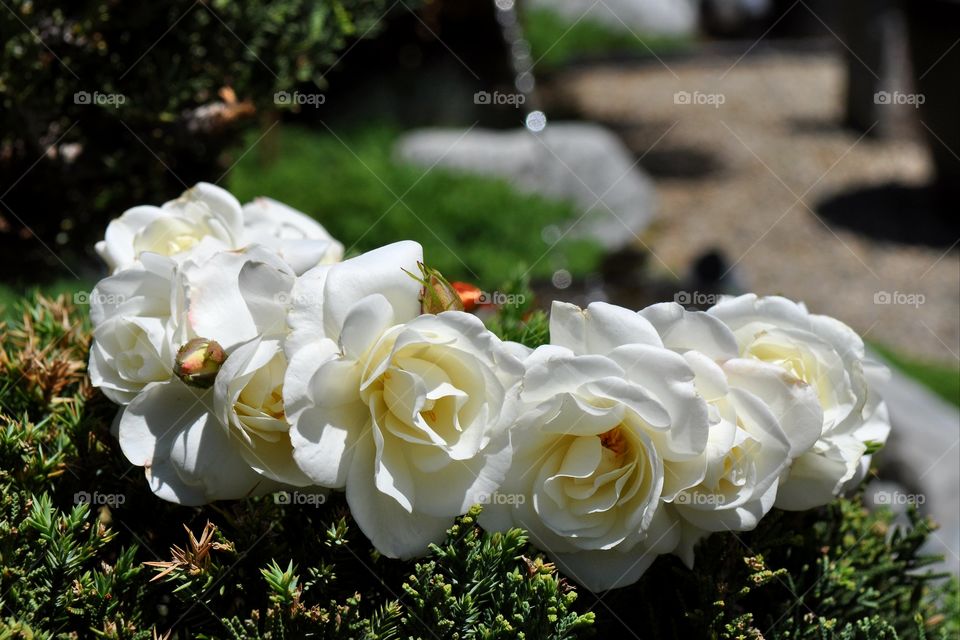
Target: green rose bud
[
  {"x": 198, "y": 362},
  {"x": 437, "y": 294}
]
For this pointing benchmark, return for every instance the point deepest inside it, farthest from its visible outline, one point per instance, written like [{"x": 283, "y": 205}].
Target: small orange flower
[{"x": 471, "y": 296}]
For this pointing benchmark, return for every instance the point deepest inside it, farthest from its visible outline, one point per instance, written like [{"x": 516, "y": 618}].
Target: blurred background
[{"x": 632, "y": 151}]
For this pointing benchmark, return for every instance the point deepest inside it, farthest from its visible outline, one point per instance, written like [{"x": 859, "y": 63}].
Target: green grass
[
  {"x": 471, "y": 228},
  {"x": 941, "y": 379},
  {"x": 555, "y": 40},
  {"x": 11, "y": 294}
]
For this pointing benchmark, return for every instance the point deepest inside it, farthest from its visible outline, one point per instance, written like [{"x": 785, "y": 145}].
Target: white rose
[
  {"x": 248, "y": 394},
  {"x": 611, "y": 428},
  {"x": 759, "y": 414},
  {"x": 876, "y": 420},
  {"x": 204, "y": 218},
  {"x": 133, "y": 329},
  {"x": 199, "y": 445},
  {"x": 295, "y": 236},
  {"x": 410, "y": 418},
  {"x": 829, "y": 356},
  {"x": 322, "y": 297},
  {"x": 403, "y": 492}
]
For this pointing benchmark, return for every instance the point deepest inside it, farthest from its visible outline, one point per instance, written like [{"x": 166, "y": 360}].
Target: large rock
[
  {"x": 583, "y": 163},
  {"x": 922, "y": 454},
  {"x": 642, "y": 17}
]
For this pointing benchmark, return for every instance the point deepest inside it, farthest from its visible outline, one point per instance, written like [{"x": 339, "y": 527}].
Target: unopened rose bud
[
  {"x": 198, "y": 362},
  {"x": 437, "y": 294}
]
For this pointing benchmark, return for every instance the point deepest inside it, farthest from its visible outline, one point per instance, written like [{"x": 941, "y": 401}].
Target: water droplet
[
  {"x": 536, "y": 121},
  {"x": 525, "y": 82},
  {"x": 551, "y": 234},
  {"x": 506, "y": 18},
  {"x": 520, "y": 49}
]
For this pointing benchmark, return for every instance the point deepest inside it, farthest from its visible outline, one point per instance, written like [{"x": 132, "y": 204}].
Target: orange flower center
[{"x": 615, "y": 441}]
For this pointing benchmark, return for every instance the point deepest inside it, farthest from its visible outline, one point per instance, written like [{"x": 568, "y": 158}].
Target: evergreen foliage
[{"x": 87, "y": 551}]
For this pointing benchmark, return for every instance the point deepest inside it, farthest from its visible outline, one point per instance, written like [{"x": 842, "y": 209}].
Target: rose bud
[
  {"x": 198, "y": 362},
  {"x": 437, "y": 294}
]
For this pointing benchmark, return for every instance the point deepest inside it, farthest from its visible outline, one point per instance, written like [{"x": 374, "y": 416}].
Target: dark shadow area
[
  {"x": 425, "y": 69},
  {"x": 624, "y": 278},
  {"x": 681, "y": 162},
  {"x": 814, "y": 125},
  {"x": 896, "y": 213},
  {"x": 650, "y": 143}
]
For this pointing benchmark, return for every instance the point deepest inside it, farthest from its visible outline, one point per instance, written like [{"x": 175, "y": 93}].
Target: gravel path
[{"x": 775, "y": 152}]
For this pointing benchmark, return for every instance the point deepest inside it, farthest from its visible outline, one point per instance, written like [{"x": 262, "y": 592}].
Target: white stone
[
  {"x": 924, "y": 449},
  {"x": 582, "y": 163}
]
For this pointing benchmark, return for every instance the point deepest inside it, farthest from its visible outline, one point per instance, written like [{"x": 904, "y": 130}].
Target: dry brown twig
[
  {"x": 47, "y": 368},
  {"x": 195, "y": 558}
]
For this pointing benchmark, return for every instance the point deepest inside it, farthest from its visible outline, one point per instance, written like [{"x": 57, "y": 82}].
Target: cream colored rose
[
  {"x": 611, "y": 430},
  {"x": 204, "y": 218},
  {"x": 759, "y": 414},
  {"x": 322, "y": 298},
  {"x": 295, "y": 236},
  {"x": 827, "y": 355},
  {"x": 199, "y": 444},
  {"x": 134, "y": 329},
  {"x": 248, "y": 396},
  {"x": 410, "y": 418}
]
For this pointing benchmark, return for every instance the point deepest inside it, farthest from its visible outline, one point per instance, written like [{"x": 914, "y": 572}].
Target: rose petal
[
  {"x": 391, "y": 529},
  {"x": 598, "y": 329}
]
